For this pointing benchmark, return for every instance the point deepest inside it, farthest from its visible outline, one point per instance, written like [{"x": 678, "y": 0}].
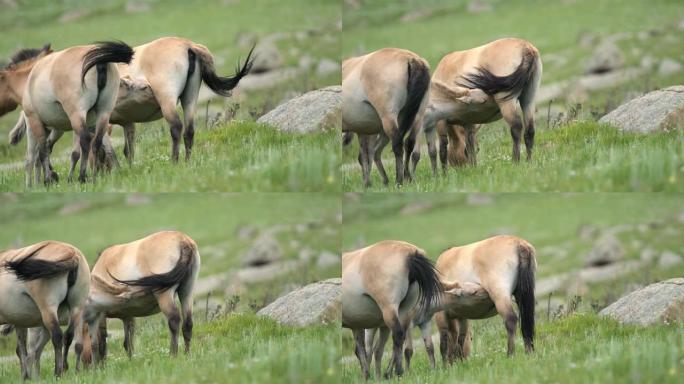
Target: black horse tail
[
  {"x": 514, "y": 85},
  {"x": 219, "y": 84},
  {"x": 416, "y": 90},
  {"x": 29, "y": 268},
  {"x": 159, "y": 282},
  {"x": 103, "y": 53},
  {"x": 524, "y": 293},
  {"x": 422, "y": 271}
]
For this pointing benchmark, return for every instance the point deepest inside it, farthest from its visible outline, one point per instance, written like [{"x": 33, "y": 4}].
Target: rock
[
  {"x": 137, "y": 199},
  {"x": 73, "y": 15},
  {"x": 607, "y": 57},
  {"x": 317, "y": 303},
  {"x": 264, "y": 250},
  {"x": 416, "y": 207},
  {"x": 669, "y": 259},
  {"x": 313, "y": 111},
  {"x": 265, "y": 80},
  {"x": 606, "y": 250},
  {"x": 75, "y": 207},
  {"x": 647, "y": 255},
  {"x": 479, "y": 199},
  {"x": 659, "y": 303},
  {"x": 267, "y": 57},
  {"x": 661, "y": 110},
  {"x": 328, "y": 259},
  {"x": 478, "y": 6},
  {"x": 549, "y": 284},
  {"x": 327, "y": 66},
  {"x": 668, "y": 67},
  {"x": 246, "y": 232},
  {"x": 647, "y": 62},
  {"x": 587, "y": 39},
  {"x": 306, "y": 62},
  {"x": 587, "y": 231},
  {"x": 416, "y": 14},
  {"x": 137, "y": 7}
]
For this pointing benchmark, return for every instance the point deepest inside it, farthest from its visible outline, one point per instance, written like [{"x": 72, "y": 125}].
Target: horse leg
[
  {"x": 96, "y": 336},
  {"x": 52, "y": 139},
  {"x": 370, "y": 336},
  {"x": 471, "y": 144},
  {"x": 77, "y": 320},
  {"x": 454, "y": 348},
  {"x": 408, "y": 346},
  {"x": 31, "y": 157},
  {"x": 168, "y": 107},
  {"x": 443, "y": 151},
  {"x": 21, "y": 352},
  {"x": 390, "y": 126},
  {"x": 390, "y": 315},
  {"x": 185, "y": 296},
  {"x": 528, "y": 114},
  {"x": 509, "y": 112},
  {"x": 38, "y": 338},
  {"x": 168, "y": 307},
  {"x": 68, "y": 339},
  {"x": 442, "y": 327},
  {"x": 504, "y": 307},
  {"x": 39, "y": 134},
  {"x": 129, "y": 334},
  {"x": 189, "y": 103},
  {"x": 78, "y": 123},
  {"x": 409, "y": 145},
  {"x": 129, "y": 142},
  {"x": 101, "y": 127},
  {"x": 463, "y": 338},
  {"x": 51, "y": 322},
  {"x": 364, "y": 144},
  {"x": 360, "y": 351},
  {"x": 102, "y": 337},
  {"x": 425, "y": 333},
  {"x": 379, "y": 350},
  {"x": 380, "y": 144}
]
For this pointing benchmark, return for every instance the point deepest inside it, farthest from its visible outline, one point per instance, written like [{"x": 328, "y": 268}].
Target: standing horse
[
  {"x": 44, "y": 285},
  {"x": 59, "y": 91},
  {"x": 385, "y": 92},
  {"x": 381, "y": 285},
  {"x": 504, "y": 266},
  {"x": 507, "y": 70},
  {"x": 140, "y": 279}
]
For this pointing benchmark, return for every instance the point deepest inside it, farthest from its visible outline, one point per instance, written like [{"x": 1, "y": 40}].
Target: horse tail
[
  {"x": 347, "y": 138},
  {"x": 219, "y": 84},
  {"x": 416, "y": 88},
  {"x": 521, "y": 83},
  {"x": 102, "y": 53},
  {"x": 159, "y": 282},
  {"x": 17, "y": 133},
  {"x": 422, "y": 271},
  {"x": 28, "y": 268},
  {"x": 524, "y": 292}
]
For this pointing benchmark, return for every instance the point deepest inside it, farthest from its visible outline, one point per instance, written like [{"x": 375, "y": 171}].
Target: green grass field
[
  {"x": 573, "y": 344},
  {"x": 573, "y": 153},
  {"x": 229, "y": 344},
  {"x": 236, "y": 155}
]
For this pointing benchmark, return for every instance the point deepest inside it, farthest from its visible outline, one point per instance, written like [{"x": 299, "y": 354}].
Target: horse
[
  {"x": 507, "y": 70},
  {"x": 505, "y": 267},
  {"x": 173, "y": 69},
  {"x": 44, "y": 285},
  {"x": 385, "y": 92},
  {"x": 381, "y": 284},
  {"x": 142, "y": 278},
  {"x": 58, "y": 90},
  {"x": 457, "y": 146}
]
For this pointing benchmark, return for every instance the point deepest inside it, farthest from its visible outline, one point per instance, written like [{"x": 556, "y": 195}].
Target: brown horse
[
  {"x": 505, "y": 267},
  {"x": 44, "y": 285},
  {"x": 507, "y": 70},
  {"x": 59, "y": 91},
  {"x": 456, "y": 144},
  {"x": 140, "y": 279},
  {"x": 384, "y": 92}
]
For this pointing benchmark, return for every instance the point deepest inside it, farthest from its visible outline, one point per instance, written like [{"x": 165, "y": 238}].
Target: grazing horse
[
  {"x": 381, "y": 285},
  {"x": 44, "y": 285},
  {"x": 59, "y": 91},
  {"x": 454, "y": 146},
  {"x": 505, "y": 267},
  {"x": 140, "y": 279},
  {"x": 385, "y": 92},
  {"x": 507, "y": 70}
]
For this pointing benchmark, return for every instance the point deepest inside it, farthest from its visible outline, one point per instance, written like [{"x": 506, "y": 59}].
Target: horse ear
[{"x": 47, "y": 48}]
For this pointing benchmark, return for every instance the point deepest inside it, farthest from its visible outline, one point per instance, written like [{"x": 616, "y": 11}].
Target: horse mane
[{"x": 25, "y": 55}]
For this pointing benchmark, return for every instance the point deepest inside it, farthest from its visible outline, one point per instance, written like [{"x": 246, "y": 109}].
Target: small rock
[
  {"x": 587, "y": 39},
  {"x": 416, "y": 207},
  {"x": 267, "y": 57},
  {"x": 661, "y": 110},
  {"x": 246, "y": 232},
  {"x": 587, "y": 232},
  {"x": 479, "y": 6},
  {"x": 306, "y": 62},
  {"x": 327, "y": 66},
  {"x": 669, "y": 259},
  {"x": 73, "y": 15},
  {"x": 607, "y": 57},
  {"x": 479, "y": 199},
  {"x": 659, "y": 303},
  {"x": 306, "y": 254},
  {"x": 137, "y": 7},
  {"x": 327, "y": 259},
  {"x": 317, "y": 303},
  {"x": 137, "y": 199},
  {"x": 416, "y": 14},
  {"x": 75, "y": 207},
  {"x": 668, "y": 67},
  {"x": 606, "y": 250},
  {"x": 264, "y": 250},
  {"x": 647, "y": 62},
  {"x": 647, "y": 255}
]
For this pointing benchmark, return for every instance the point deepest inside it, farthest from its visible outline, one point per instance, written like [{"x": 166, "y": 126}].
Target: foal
[{"x": 44, "y": 285}]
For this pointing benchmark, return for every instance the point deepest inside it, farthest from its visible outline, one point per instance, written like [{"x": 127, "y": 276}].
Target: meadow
[
  {"x": 232, "y": 152},
  {"x": 230, "y": 342},
  {"x": 573, "y": 343},
  {"x": 572, "y": 152}
]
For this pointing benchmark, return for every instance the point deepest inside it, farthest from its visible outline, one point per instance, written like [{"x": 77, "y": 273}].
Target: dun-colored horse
[
  {"x": 384, "y": 92},
  {"x": 44, "y": 285}
]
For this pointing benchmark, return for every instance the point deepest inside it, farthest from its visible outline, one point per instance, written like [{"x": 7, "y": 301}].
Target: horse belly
[
  {"x": 138, "y": 307},
  {"x": 52, "y": 115},
  {"x": 360, "y": 311},
  {"x": 477, "y": 114},
  {"x": 16, "y": 306},
  {"x": 358, "y": 115}
]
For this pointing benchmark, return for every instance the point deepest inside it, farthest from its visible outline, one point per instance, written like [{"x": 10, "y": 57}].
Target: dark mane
[{"x": 26, "y": 54}]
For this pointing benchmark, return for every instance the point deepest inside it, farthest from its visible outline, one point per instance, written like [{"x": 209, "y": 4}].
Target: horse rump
[
  {"x": 416, "y": 88},
  {"x": 105, "y": 52},
  {"x": 29, "y": 268}
]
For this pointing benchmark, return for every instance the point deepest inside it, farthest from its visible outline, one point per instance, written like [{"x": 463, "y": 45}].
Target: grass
[
  {"x": 231, "y": 342},
  {"x": 572, "y": 153},
  {"x": 573, "y": 344},
  {"x": 236, "y": 155}
]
